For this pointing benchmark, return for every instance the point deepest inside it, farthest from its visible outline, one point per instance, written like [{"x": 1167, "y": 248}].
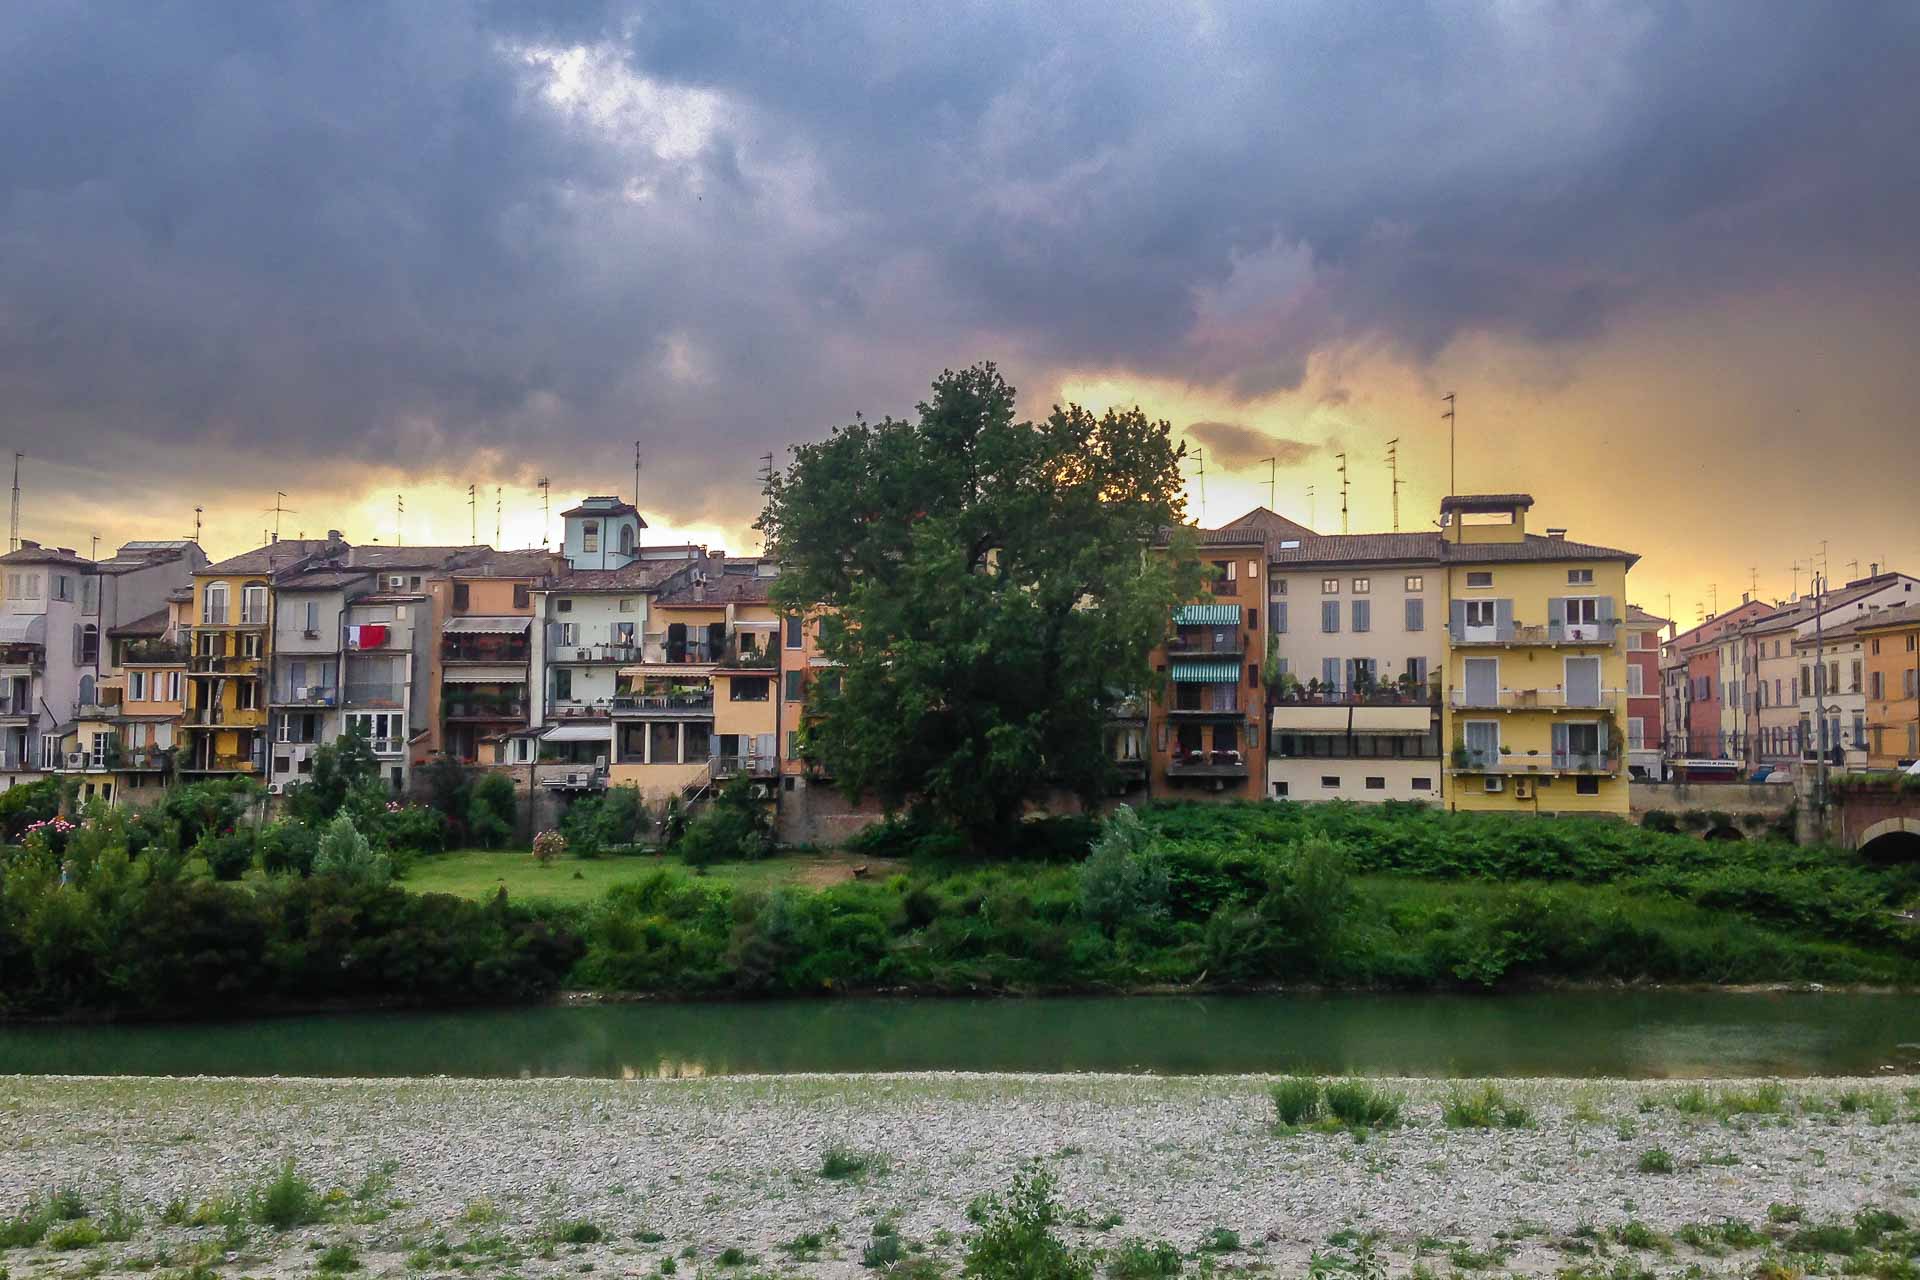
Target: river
[{"x": 1635, "y": 1035}]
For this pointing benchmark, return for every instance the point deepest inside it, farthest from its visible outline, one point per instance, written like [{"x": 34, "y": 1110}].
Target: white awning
[
  {"x": 578, "y": 733},
  {"x": 1392, "y": 719},
  {"x": 479, "y": 626},
  {"x": 1288, "y": 719},
  {"x": 486, "y": 674},
  {"x": 1351, "y": 719},
  {"x": 23, "y": 628}
]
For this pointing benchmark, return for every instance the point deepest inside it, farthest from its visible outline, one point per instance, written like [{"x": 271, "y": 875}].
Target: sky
[{"x": 1664, "y": 255}]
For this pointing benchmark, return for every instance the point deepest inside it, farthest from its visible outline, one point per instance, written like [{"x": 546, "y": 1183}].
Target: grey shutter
[
  {"x": 1362, "y": 615},
  {"x": 76, "y": 644},
  {"x": 1457, "y": 619},
  {"x": 553, "y": 638},
  {"x": 1416, "y": 615},
  {"x": 1330, "y": 672},
  {"x": 1606, "y": 608},
  {"x": 1556, "y": 617},
  {"x": 1330, "y": 617},
  {"x": 1561, "y": 744},
  {"x": 1278, "y": 615},
  {"x": 1503, "y": 620}
]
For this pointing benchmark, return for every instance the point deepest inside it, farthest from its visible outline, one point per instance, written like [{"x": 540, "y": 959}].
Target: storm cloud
[
  {"x": 240, "y": 240},
  {"x": 1233, "y": 445}
]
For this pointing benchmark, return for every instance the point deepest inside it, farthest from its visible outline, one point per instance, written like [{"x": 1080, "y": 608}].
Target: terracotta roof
[
  {"x": 275, "y": 555},
  {"x": 608, "y": 505},
  {"x": 46, "y": 555},
  {"x": 1486, "y": 501},
  {"x": 405, "y": 557},
  {"x": 1270, "y": 522},
  {"x": 1277, "y": 532},
  {"x": 327, "y": 579},
  {"x": 485, "y": 562},
  {"x": 1534, "y": 548},
  {"x": 154, "y": 624},
  {"x": 180, "y": 595},
  {"x": 1638, "y": 617},
  {"x": 1349, "y": 548},
  {"x": 727, "y": 589},
  {"x": 1904, "y": 615},
  {"x": 640, "y": 575}
]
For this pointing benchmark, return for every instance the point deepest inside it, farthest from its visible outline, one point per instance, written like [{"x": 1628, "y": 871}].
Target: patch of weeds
[
  {"x": 648, "y": 1236},
  {"x": 1584, "y": 1112},
  {"x": 67, "y": 1205},
  {"x": 1487, "y": 1107},
  {"x": 74, "y": 1235},
  {"x": 337, "y": 1259},
  {"x": 1359, "y": 1105},
  {"x": 668, "y": 1266},
  {"x": 573, "y": 1231},
  {"x": 1297, "y": 1100},
  {"x": 884, "y": 1249},
  {"x": 1691, "y": 1101},
  {"x": 805, "y": 1247},
  {"x": 1220, "y": 1240},
  {"x": 286, "y": 1202},
  {"x": 1627, "y": 1129},
  {"x": 479, "y": 1212},
  {"x": 1782, "y": 1214},
  {"x": 1016, "y": 1239},
  {"x": 1466, "y": 1258},
  {"x": 1104, "y": 1222},
  {"x": 1766, "y": 1099},
  {"x": 1638, "y": 1235},
  {"x": 842, "y": 1165},
  {"x": 731, "y": 1256},
  {"x": 1144, "y": 1260},
  {"x": 26, "y": 1228},
  {"x": 1655, "y": 1160},
  {"x": 176, "y": 1212},
  {"x": 1622, "y": 1269},
  {"x": 1822, "y": 1237}
]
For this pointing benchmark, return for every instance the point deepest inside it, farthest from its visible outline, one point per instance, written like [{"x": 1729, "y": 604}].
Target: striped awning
[
  {"x": 1207, "y": 615},
  {"x": 1206, "y": 671}
]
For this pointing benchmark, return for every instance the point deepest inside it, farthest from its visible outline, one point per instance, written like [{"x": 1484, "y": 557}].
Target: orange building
[
  {"x": 1205, "y": 726},
  {"x": 1892, "y": 640}
]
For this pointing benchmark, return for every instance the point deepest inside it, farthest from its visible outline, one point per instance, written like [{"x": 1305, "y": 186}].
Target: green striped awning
[
  {"x": 1206, "y": 671},
  {"x": 1207, "y": 615}
]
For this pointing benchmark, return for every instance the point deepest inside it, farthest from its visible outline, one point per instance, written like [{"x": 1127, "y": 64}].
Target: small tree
[
  {"x": 345, "y": 855},
  {"x": 338, "y": 768},
  {"x": 735, "y": 826},
  {"x": 492, "y": 811},
  {"x": 1123, "y": 881}
]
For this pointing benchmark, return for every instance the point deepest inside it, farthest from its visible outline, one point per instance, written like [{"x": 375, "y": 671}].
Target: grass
[
  {"x": 1359, "y": 1105},
  {"x": 479, "y": 873},
  {"x": 1297, "y": 1100},
  {"x": 337, "y": 1259},
  {"x": 840, "y": 1164},
  {"x": 1655, "y": 1160},
  {"x": 574, "y": 1231},
  {"x": 286, "y": 1202},
  {"x": 1484, "y": 1108},
  {"x": 1143, "y": 1260},
  {"x": 75, "y": 1235}
]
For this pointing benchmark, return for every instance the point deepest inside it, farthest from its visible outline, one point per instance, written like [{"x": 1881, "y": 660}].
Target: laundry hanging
[{"x": 366, "y": 635}]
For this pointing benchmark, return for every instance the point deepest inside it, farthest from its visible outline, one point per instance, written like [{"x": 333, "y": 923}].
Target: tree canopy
[{"x": 990, "y": 590}]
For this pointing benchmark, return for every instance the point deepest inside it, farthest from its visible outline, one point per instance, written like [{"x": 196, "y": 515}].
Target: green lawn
[{"x": 479, "y": 873}]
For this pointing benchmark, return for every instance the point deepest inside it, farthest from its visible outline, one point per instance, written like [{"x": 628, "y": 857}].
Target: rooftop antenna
[
  {"x": 766, "y": 495},
  {"x": 1853, "y": 569},
  {"x": 1200, "y": 460},
  {"x": 473, "y": 515},
  {"x": 636, "y": 473},
  {"x": 399, "y": 516},
  {"x": 1313, "y": 509},
  {"x": 1343, "y": 490},
  {"x": 1796, "y": 579},
  {"x": 278, "y": 509},
  {"x": 93, "y": 553},
  {"x": 13, "y": 527},
  {"x": 1753, "y": 582},
  {"x": 1272, "y": 464},
  {"x": 1823, "y": 562},
  {"x": 546, "y": 509},
  {"x": 1393, "y": 469},
  {"x": 1453, "y": 475},
  {"x": 197, "y": 513},
  {"x": 496, "y": 516},
  {"x": 1713, "y": 594}
]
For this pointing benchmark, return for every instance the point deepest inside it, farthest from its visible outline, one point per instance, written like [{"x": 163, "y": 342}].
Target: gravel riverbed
[{"x": 489, "y": 1177}]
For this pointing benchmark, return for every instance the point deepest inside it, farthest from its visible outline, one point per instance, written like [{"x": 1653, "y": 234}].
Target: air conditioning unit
[
  {"x": 1495, "y": 784},
  {"x": 583, "y": 655},
  {"x": 1523, "y": 788},
  {"x": 396, "y": 580},
  {"x": 76, "y": 759},
  {"x": 276, "y": 788}
]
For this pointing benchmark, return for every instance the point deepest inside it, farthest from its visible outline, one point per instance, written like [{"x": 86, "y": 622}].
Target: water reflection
[{"x": 1637, "y": 1034}]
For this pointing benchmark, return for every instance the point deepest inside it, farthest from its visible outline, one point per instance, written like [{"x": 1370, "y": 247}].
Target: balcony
[
  {"x": 222, "y": 664},
  {"x": 752, "y": 766},
  {"x": 155, "y": 652},
  {"x": 573, "y": 655},
  {"x": 1207, "y": 764},
  {"x": 1225, "y": 587},
  {"x": 307, "y": 695},
  {"x": 1200, "y": 641},
  {"x": 664, "y": 704},
  {"x": 1522, "y": 762},
  {"x": 1214, "y": 709},
  {"x": 570, "y": 709},
  {"x": 1549, "y": 634},
  {"x": 375, "y": 695},
  {"x": 1555, "y": 699},
  {"x": 570, "y": 777},
  {"x": 500, "y": 650},
  {"x": 480, "y": 708},
  {"x": 1393, "y": 695}
]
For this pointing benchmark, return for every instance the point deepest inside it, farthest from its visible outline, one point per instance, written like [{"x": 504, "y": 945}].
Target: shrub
[
  {"x": 1123, "y": 882},
  {"x": 1360, "y": 1105},
  {"x": 1220, "y": 1240},
  {"x": 493, "y": 811},
  {"x": 345, "y": 855},
  {"x": 286, "y": 1202},
  {"x": 336, "y": 1259},
  {"x": 23, "y": 805},
  {"x": 1016, "y": 1240},
  {"x": 1296, "y": 1099},
  {"x": 288, "y": 848},
  {"x": 1660, "y": 820},
  {"x": 1484, "y": 1108},
  {"x": 1140, "y": 1260},
  {"x": 1655, "y": 1160},
  {"x": 548, "y": 846},
  {"x": 618, "y": 818},
  {"x": 201, "y": 808},
  {"x": 228, "y": 854},
  {"x": 575, "y": 1231},
  {"x": 734, "y": 827},
  {"x": 408, "y": 829},
  {"x": 884, "y": 1249},
  {"x": 75, "y": 1235},
  {"x": 841, "y": 1164}
]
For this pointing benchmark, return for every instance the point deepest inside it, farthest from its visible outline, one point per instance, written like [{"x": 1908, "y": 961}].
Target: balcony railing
[
  {"x": 485, "y": 709},
  {"x": 307, "y": 695},
  {"x": 1212, "y": 707},
  {"x": 1557, "y": 699},
  {"x": 1223, "y": 641},
  {"x": 466, "y": 650},
  {"x": 572, "y": 709},
  {"x": 1207, "y": 764},
  {"x": 370, "y": 695},
  {"x": 753, "y": 766},
  {"x": 574, "y": 654},
  {"x": 159, "y": 651},
  {"x": 1391, "y": 695},
  {"x": 1226, "y": 587},
  {"x": 1465, "y": 760},
  {"x": 1518, "y": 633},
  {"x": 222, "y": 664},
  {"x": 662, "y": 703}
]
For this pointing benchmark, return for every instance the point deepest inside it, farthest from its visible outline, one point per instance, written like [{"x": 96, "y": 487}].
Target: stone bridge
[{"x": 1880, "y": 819}]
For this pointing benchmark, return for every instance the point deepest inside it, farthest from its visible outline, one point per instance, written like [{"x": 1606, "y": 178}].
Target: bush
[
  {"x": 23, "y": 805},
  {"x": 287, "y": 848},
  {"x": 407, "y": 830},
  {"x": 1360, "y": 1105},
  {"x": 1660, "y": 820},
  {"x": 617, "y": 818},
  {"x": 735, "y": 827},
  {"x": 1655, "y": 1160},
  {"x": 548, "y": 846},
  {"x": 1484, "y": 1108},
  {"x": 228, "y": 854},
  {"x": 1016, "y": 1240},
  {"x": 1123, "y": 882},
  {"x": 75, "y": 1235},
  {"x": 493, "y": 811},
  {"x": 1140, "y": 1260},
  {"x": 345, "y": 855},
  {"x": 1297, "y": 1099},
  {"x": 286, "y": 1202},
  {"x": 203, "y": 808}
]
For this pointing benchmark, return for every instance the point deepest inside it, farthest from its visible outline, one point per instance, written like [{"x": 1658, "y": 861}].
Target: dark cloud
[
  {"x": 335, "y": 237},
  {"x": 1232, "y": 445}
]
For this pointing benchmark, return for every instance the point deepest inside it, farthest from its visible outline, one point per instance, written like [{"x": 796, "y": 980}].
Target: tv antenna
[
  {"x": 1853, "y": 569},
  {"x": 1343, "y": 490},
  {"x": 473, "y": 515},
  {"x": 94, "y": 552},
  {"x": 496, "y": 517},
  {"x": 197, "y": 513},
  {"x": 636, "y": 473},
  {"x": 278, "y": 509},
  {"x": 546, "y": 509},
  {"x": 1453, "y": 474},
  {"x": 1200, "y": 461},
  {"x": 1272, "y": 463},
  {"x": 399, "y": 516},
  {"x": 1796, "y": 579},
  {"x": 1313, "y": 509},
  {"x": 1393, "y": 469},
  {"x": 13, "y": 526}
]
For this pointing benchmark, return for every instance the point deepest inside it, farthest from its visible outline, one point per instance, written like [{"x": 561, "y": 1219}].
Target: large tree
[{"x": 991, "y": 589}]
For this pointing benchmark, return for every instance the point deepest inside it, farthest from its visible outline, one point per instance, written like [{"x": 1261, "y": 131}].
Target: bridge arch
[{"x": 1891, "y": 837}]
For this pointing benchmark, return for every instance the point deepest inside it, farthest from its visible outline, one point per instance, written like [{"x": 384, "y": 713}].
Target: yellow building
[
  {"x": 1892, "y": 638},
  {"x": 1536, "y": 669},
  {"x": 224, "y": 729}
]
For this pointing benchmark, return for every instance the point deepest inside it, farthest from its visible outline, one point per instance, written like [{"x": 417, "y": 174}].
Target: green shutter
[
  {"x": 1210, "y": 671},
  {"x": 1207, "y": 615}
]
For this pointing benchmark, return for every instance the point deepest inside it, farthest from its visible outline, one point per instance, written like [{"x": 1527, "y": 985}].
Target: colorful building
[
  {"x": 1644, "y": 702},
  {"x": 1206, "y": 727},
  {"x": 1536, "y": 669},
  {"x": 229, "y": 656},
  {"x": 1892, "y": 639}
]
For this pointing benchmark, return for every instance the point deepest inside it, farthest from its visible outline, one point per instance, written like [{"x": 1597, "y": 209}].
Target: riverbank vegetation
[{"x": 109, "y": 916}]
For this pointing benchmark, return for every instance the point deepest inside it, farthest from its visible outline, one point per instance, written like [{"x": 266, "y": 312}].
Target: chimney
[
  {"x": 1558, "y": 534},
  {"x": 1746, "y": 597},
  {"x": 28, "y": 544},
  {"x": 1873, "y": 569},
  {"x": 699, "y": 590},
  {"x": 67, "y": 551}
]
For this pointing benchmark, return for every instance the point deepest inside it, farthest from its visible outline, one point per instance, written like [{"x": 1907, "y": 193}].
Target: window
[
  {"x": 750, "y": 688},
  {"x": 253, "y": 604},
  {"x": 563, "y": 684},
  {"x": 796, "y": 690},
  {"x": 246, "y": 696},
  {"x": 1636, "y": 680},
  {"x": 1582, "y": 611},
  {"x": 1416, "y": 615},
  {"x": 213, "y": 604},
  {"x": 1579, "y": 577},
  {"x": 1253, "y": 675},
  {"x": 462, "y": 596},
  {"x": 62, "y": 588},
  {"x": 1279, "y": 615},
  {"x": 1876, "y": 648},
  {"x": 1277, "y": 586},
  {"x": 1362, "y": 613},
  {"x": 563, "y": 606},
  {"x": 89, "y": 645},
  {"x": 1329, "y": 781},
  {"x": 1483, "y": 578},
  {"x": 1329, "y": 586},
  {"x": 1330, "y": 616},
  {"x": 1909, "y": 680},
  {"x": 1417, "y": 670},
  {"x": 1279, "y": 791},
  {"x": 1876, "y": 686},
  {"x": 1859, "y": 729},
  {"x": 1636, "y": 733},
  {"x": 1586, "y": 785},
  {"x": 1362, "y": 585},
  {"x": 623, "y": 633},
  {"x": 1253, "y": 570},
  {"x": 522, "y": 596},
  {"x": 793, "y": 744},
  {"x": 1420, "y": 784},
  {"x": 1376, "y": 784},
  {"x": 626, "y": 604},
  {"x": 626, "y": 540},
  {"x": 566, "y": 634},
  {"x": 1479, "y": 613},
  {"x": 793, "y": 632},
  {"x": 1253, "y": 619},
  {"x": 136, "y": 686},
  {"x": 1855, "y": 686},
  {"x": 589, "y": 535},
  {"x": 1415, "y": 582}
]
